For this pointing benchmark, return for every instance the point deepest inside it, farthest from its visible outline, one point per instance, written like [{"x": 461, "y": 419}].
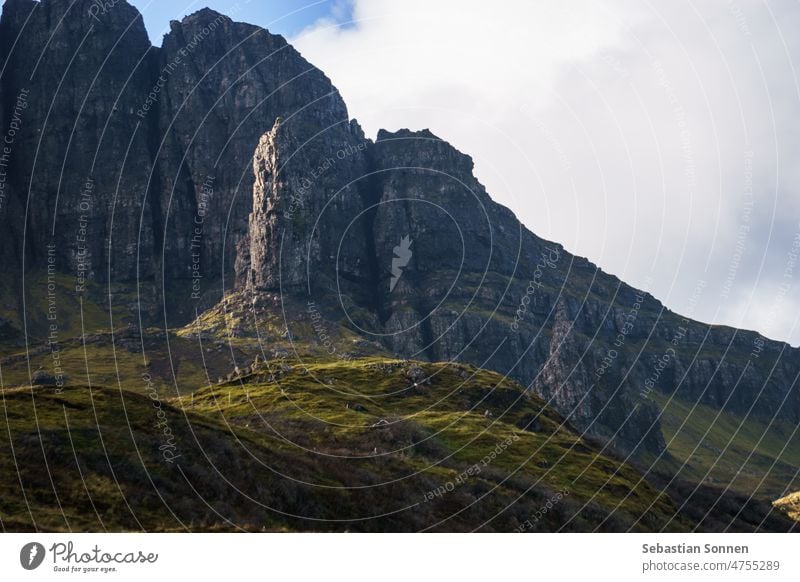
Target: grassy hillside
[
  {"x": 724, "y": 450},
  {"x": 224, "y": 338},
  {"x": 342, "y": 446},
  {"x": 328, "y": 433}
]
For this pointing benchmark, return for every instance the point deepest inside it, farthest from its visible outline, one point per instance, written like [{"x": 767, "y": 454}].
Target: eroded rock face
[
  {"x": 135, "y": 162},
  {"x": 224, "y": 84},
  {"x": 79, "y": 163},
  {"x": 451, "y": 275},
  {"x": 308, "y": 186}
]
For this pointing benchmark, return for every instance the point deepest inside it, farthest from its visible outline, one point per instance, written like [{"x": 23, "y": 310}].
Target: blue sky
[{"x": 286, "y": 17}]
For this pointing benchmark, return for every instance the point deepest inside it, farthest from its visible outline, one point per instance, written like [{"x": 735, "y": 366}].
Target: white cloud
[{"x": 661, "y": 141}]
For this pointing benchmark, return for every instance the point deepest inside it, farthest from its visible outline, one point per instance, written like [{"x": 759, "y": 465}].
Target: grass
[
  {"x": 121, "y": 361},
  {"x": 461, "y": 414},
  {"x": 724, "y": 449},
  {"x": 297, "y": 452},
  {"x": 74, "y": 316},
  {"x": 342, "y": 439}
]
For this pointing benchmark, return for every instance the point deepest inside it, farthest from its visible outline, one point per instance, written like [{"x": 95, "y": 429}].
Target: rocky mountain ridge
[
  {"x": 144, "y": 150},
  {"x": 479, "y": 287},
  {"x": 133, "y": 165}
]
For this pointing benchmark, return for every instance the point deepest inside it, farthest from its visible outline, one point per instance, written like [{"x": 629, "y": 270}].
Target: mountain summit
[{"x": 217, "y": 186}]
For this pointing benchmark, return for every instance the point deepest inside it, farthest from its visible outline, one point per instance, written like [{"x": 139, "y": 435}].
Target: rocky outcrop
[
  {"x": 133, "y": 163},
  {"x": 790, "y": 505},
  {"x": 445, "y": 273},
  {"x": 305, "y": 183},
  {"x": 224, "y": 84}
]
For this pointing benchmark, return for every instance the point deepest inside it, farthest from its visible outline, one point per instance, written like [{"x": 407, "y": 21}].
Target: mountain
[
  {"x": 480, "y": 288},
  {"x": 143, "y": 151},
  {"x": 183, "y": 211}
]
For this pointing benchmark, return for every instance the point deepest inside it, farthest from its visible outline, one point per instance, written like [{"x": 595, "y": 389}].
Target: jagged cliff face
[
  {"x": 224, "y": 84},
  {"x": 136, "y": 165},
  {"x": 134, "y": 162},
  {"x": 406, "y": 247},
  {"x": 307, "y": 189},
  {"x": 79, "y": 162}
]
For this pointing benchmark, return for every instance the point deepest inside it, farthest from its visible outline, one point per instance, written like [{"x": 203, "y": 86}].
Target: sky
[
  {"x": 286, "y": 17},
  {"x": 659, "y": 140}
]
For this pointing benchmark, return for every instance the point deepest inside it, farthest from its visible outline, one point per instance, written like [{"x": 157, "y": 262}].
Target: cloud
[{"x": 660, "y": 141}]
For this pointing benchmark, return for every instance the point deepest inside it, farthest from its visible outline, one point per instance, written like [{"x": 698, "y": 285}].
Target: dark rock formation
[
  {"x": 132, "y": 161},
  {"x": 442, "y": 272},
  {"x": 308, "y": 187},
  {"x": 224, "y": 84},
  {"x": 79, "y": 162}
]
